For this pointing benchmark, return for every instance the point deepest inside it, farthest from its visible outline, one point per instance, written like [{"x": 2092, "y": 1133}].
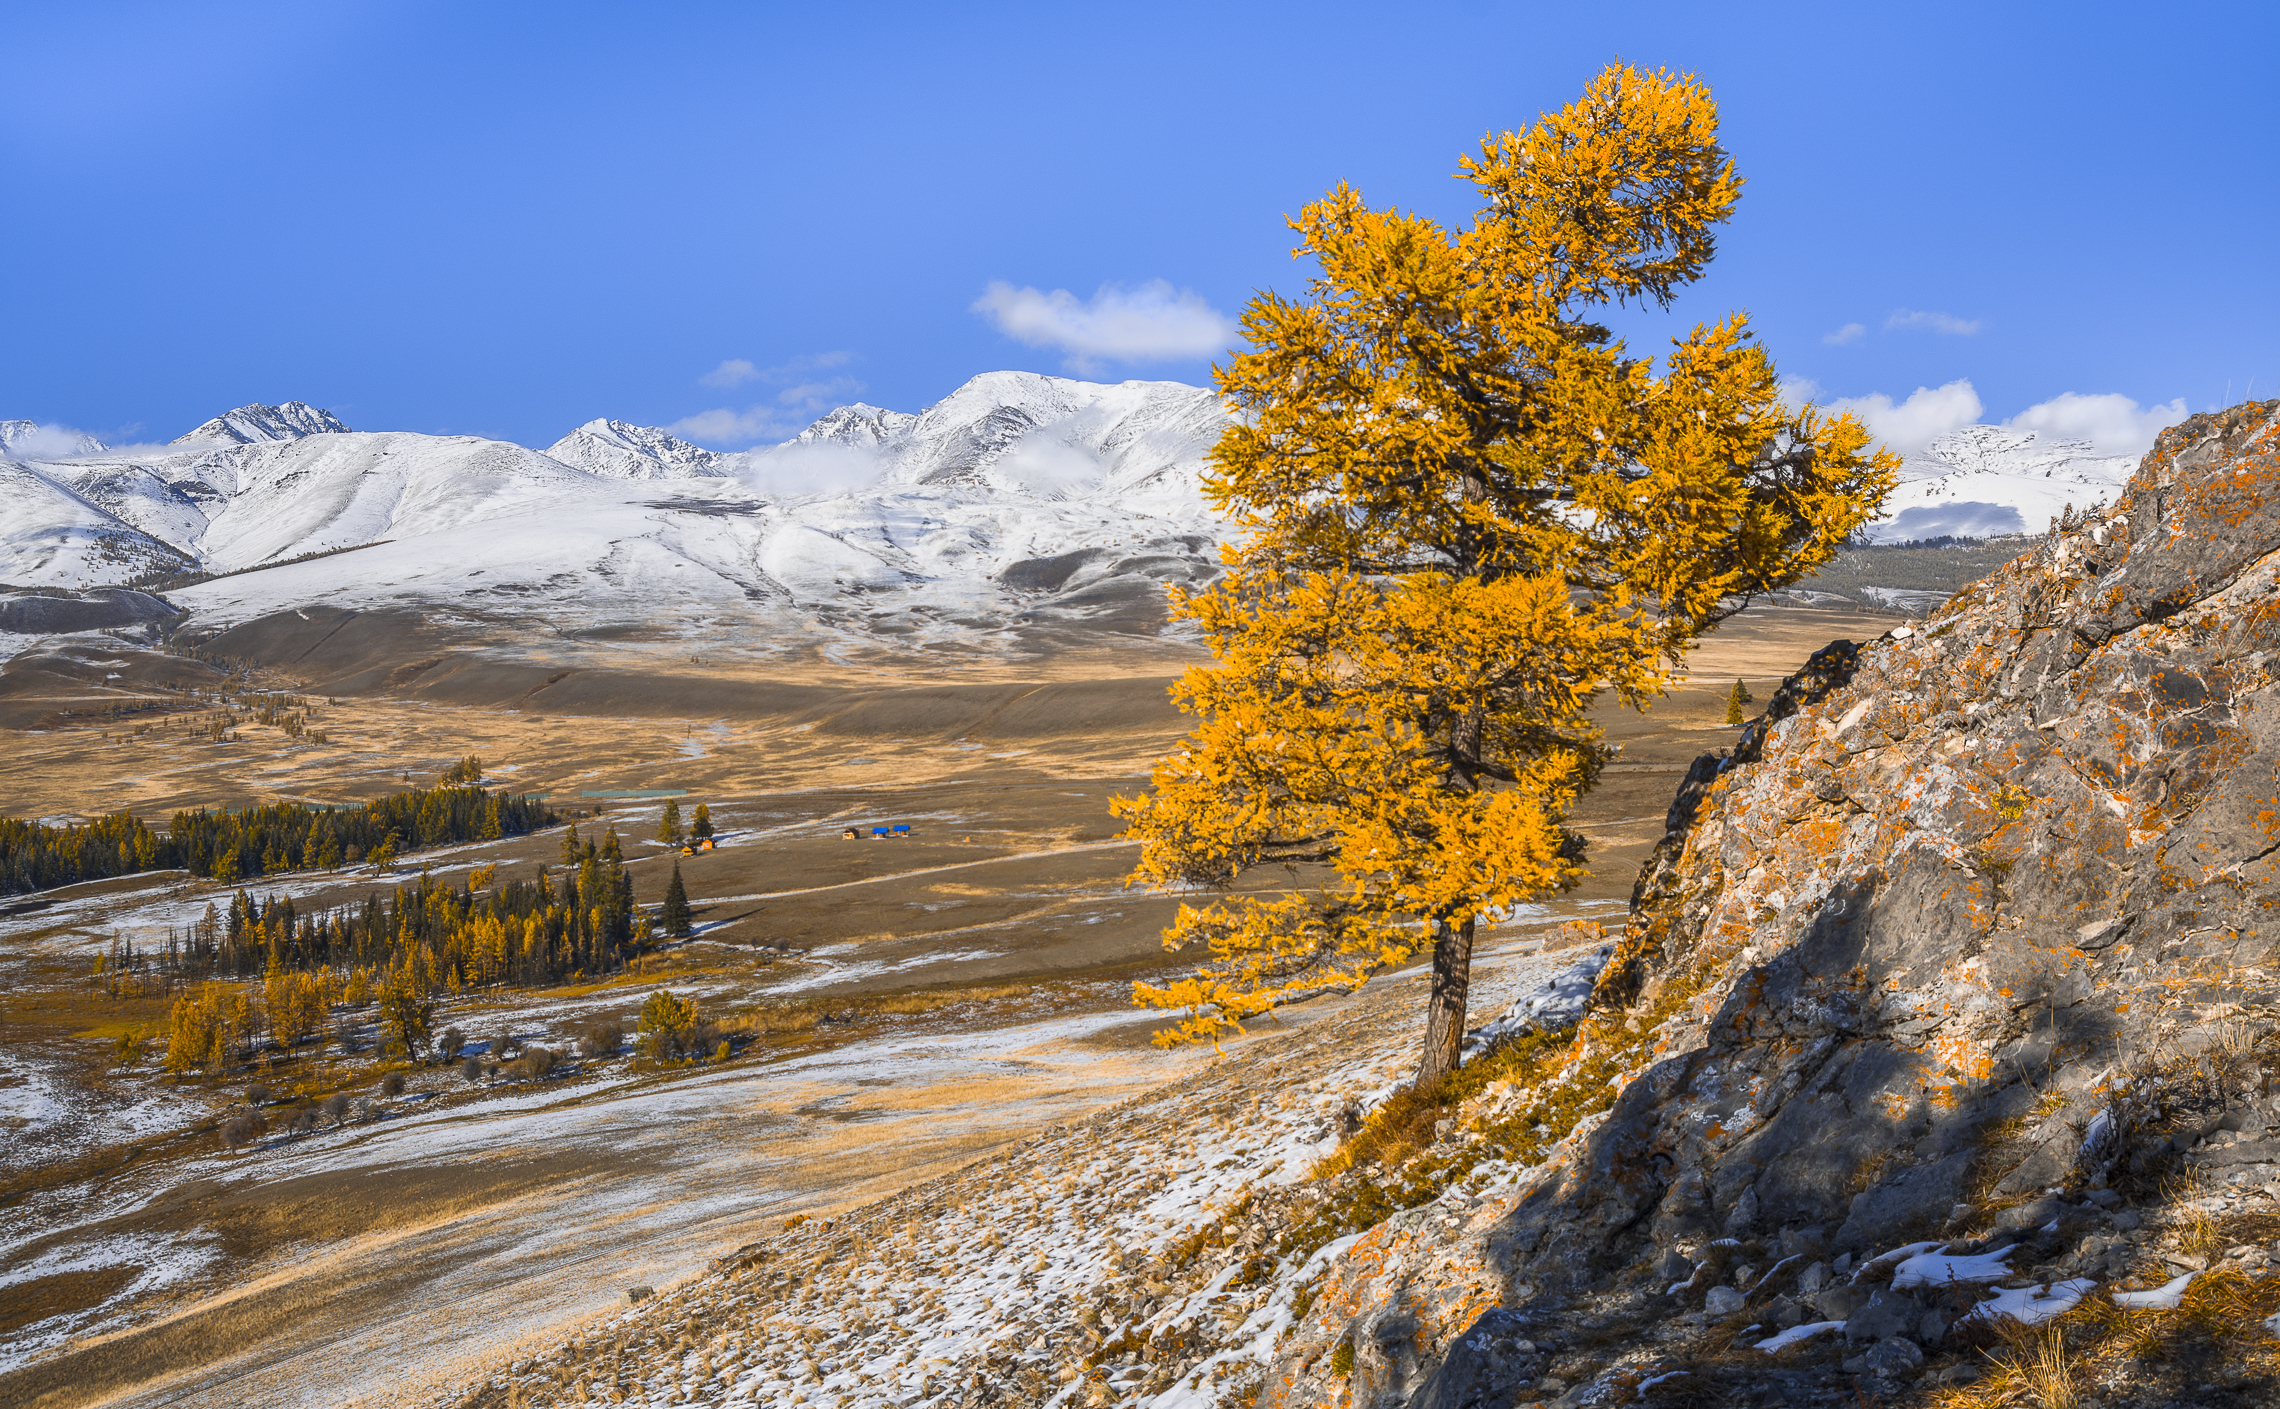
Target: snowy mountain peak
[
  {"x": 251, "y": 424},
  {"x": 861, "y": 426},
  {"x": 621, "y": 450},
  {"x": 29, "y": 440}
]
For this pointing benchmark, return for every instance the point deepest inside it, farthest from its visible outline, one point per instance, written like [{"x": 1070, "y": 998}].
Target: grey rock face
[
  {"x": 1387, "y": 1366},
  {"x": 1485, "y": 1368},
  {"x": 1912, "y": 1202},
  {"x": 1723, "y": 1301}
]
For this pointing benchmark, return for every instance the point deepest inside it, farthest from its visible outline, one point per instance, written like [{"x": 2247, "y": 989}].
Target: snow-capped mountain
[
  {"x": 1985, "y": 481},
  {"x": 27, "y": 440},
  {"x": 250, "y": 424},
  {"x": 1016, "y": 499},
  {"x": 617, "y": 450},
  {"x": 861, "y": 426}
]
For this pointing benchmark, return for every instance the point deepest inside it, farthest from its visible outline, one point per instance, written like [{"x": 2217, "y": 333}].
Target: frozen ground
[{"x": 1005, "y": 1270}]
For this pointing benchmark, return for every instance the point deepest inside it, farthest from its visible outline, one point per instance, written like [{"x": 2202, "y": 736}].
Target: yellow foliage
[
  {"x": 1466, "y": 512},
  {"x": 207, "y": 1031}
]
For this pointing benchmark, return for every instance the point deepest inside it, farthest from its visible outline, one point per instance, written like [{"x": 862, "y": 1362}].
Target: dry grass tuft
[{"x": 2221, "y": 1319}]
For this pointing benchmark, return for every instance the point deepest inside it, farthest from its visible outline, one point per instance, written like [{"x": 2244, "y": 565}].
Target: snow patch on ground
[
  {"x": 1557, "y": 1003},
  {"x": 2032, "y": 1305},
  {"x": 1941, "y": 1269}
]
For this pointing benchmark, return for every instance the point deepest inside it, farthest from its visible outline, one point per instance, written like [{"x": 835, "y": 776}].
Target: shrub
[
  {"x": 668, "y": 1025},
  {"x": 336, "y": 1107},
  {"x": 302, "y": 1121},
  {"x": 537, "y": 1063},
  {"x": 472, "y": 1070},
  {"x": 392, "y": 1084},
  {"x": 602, "y": 1039},
  {"x": 244, "y": 1128},
  {"x": 450, "y": 1043},
  {"x": 257, "y": 1095}
]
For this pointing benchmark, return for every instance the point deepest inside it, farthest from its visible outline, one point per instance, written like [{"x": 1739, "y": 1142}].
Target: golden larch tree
[{"x": 1464, "y": 512}]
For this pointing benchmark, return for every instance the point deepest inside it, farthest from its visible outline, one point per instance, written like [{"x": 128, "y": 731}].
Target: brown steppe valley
[{"x": 912, "y": 1004}]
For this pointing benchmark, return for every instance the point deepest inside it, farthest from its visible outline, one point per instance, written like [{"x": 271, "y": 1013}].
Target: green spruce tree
[
  {"x": 1735, "y": 699},
  {"x": 674, "y": 917},
  {"x": 702, "y": 827}
]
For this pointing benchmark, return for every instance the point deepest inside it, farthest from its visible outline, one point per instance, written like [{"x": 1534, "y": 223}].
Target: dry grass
[
  {"x": 801, "y": 1015},
  {"x": 2221, "y": 1319},
  {"x": 1403, "y": 1125}
]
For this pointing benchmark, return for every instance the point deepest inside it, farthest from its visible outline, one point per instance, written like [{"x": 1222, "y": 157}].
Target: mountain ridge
[
  {"x": 254, "y": 423},
  {"x": 1015, "y": 494},
  {"x": 872, "y": 527}
]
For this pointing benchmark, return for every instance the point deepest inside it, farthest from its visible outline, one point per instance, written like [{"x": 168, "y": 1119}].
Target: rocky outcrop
[{"x": 1970, "y": 915}]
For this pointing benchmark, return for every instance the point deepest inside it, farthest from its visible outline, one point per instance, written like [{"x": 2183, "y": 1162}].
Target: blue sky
[{"x": 507, "y": 219}]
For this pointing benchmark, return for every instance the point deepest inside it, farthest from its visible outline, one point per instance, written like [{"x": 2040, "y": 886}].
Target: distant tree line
[{"x": 256, "y": 841}]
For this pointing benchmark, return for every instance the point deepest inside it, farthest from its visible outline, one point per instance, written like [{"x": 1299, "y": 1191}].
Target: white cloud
[
  {"x": 734, "y": 372},
  {"x": 1946, "y": 323},
  {"x": 2110, "y": 421},
  {"x": 1850, "y": 332},
  {"x": 1906, "y": 426},
  {"x": 1151, "y": 323},
  {"x": 726, "y": 428},
  {"x": 816, "y": 396},
  {"x": 803, "y": 471}
]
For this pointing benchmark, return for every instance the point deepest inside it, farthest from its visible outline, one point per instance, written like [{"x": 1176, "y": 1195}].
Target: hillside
[{"x": 1942, "y": 1022}]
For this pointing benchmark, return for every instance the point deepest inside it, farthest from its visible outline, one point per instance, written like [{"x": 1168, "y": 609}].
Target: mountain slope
[
  {"x": 53, "y": 536},
  {"x": 1963, "y": 950},
  {"x": 1985, "y": 481}
]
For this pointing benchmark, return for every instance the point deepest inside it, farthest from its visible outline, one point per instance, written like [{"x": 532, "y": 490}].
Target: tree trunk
[{"x": 1445, "y": 1010}]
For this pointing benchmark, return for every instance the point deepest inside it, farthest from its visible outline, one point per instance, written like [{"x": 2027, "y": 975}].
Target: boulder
[
  {"x": 1885, "y": 1313},
  {"x": 2033, "y": 1214},
  {"x": 1895, "y": 1359},
  {"x": 1911, "y": 1204}
]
